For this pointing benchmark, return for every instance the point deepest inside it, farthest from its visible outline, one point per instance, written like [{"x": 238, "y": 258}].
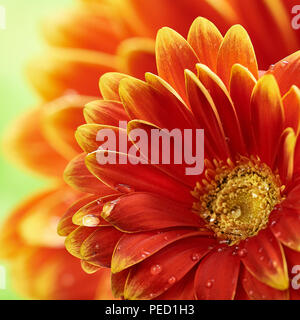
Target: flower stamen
[{"x": 237, "y": 201}]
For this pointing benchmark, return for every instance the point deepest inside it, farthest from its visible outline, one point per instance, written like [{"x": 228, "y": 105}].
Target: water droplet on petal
[
  {"x": 124, "y": 188},
  {"x": 195, "y": 256},
  {"x": 108, "y": 208},
  {"x": 209, "y": 284},
  {"x": 172, "y": 280},
  {"x": 156, "y": 269},
  {"x": 242, "y": 253},
  {"x": 90, "y": 221}
]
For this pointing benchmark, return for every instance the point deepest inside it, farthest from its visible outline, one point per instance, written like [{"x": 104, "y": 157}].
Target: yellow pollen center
[{"x": 237, "y": 202}]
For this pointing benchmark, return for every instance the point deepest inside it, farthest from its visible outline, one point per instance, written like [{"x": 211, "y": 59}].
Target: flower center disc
[{"x": 236, "y": 204}]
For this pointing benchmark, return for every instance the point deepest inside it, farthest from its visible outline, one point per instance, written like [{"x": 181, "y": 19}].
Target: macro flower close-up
[
  {"x": 216, "y": 215},
  {"x": 167, "y": 233}
]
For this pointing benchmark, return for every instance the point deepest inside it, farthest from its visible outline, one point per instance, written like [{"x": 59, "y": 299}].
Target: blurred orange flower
[
  {"x": 95, "y": 37},
  {"x": 232, "y": 232}
]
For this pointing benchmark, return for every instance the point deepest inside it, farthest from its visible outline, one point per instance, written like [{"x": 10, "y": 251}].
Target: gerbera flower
[
  {"x": 232, "y": 232},
  {"x": 40, "y": 265},
  {"x": 111, "y": 35}
]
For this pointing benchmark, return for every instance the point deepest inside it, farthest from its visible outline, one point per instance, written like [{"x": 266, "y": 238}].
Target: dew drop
[
  {"x": 195, "y": 257},
  {"x": 242, "y": 253},
  {"x": 156, "y": 269},
  {"x": 124, "y": 188},
  {"x": 172, "y": 280},
  {"x": 108, "y": 208},
  {"x": 209, "y": 284},
  {"x": 90, "y": 221}
]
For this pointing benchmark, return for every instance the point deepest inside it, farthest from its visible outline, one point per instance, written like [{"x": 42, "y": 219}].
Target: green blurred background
[{"x": 19, "y": 41}]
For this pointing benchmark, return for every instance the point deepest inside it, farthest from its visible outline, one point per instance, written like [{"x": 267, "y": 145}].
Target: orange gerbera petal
[
  {"x": 141, "y": 210},
  {"x": 287, "y": 72},
  {"x": 257, "y": 290},
  {"x": 68, "y": 70},
  {"x": 44, "y": 216},
  {"x": 98, "y": 248},
  {"x": 109, "y": 85},
  {"x": 236, "y": 48},
  {"x": 173, "y": 56},
  {"x": 89, "y": 214},
  {"x": 60, "y": 120},
  {"x": 286, "y": 150},
  {"x": 181, "y": 290},
  {"x": 291, "y": 105},
  {"x": 105, "y": 112},
  {"x": 11, "y": 236},
  {"x": 293, "y": 259},
  {"x": 272, "y": 268},
  {"x": 78, "y": 176},
  {"x": 44, "y": 273},
  {"x": 136, "y": 56},
  {"x": 66, "y": 225},
  {"x": 267, "y": 117},
  {"x": 205, "y": 38},
  {"x": 87, "y": 136},
  {"x": 161, "y": 271},
  {"x": 26, "y": 145},
  {"x": 241, "y": 86},
  {"x": 137, "y": 176},
  {"x": 286, "y": 228},
  {"x": 75, "y": 239},
  {"x": 210, "y": 282},
  {"x": 134, "y": 248},
  {"x": 83, "y": 27},
  {"x": 141, "y": 101},
  {"x": 207, "y": 116},
  {"x": 118, "y": 281},
  {"x": 224, "y": 106}
]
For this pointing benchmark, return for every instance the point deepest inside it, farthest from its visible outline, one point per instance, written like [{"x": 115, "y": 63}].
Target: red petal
[
  {"x": 267, "y": 118},
  {"x": 78, "y": 177},
  {"x": 266, "y": 261},
  {"x": 140, "y": 177},
  {"x": 134, "y": 248},
  {"x": 75, "y": 239},
  {"x": 236, "y": 48},
  {"x": 182, "y": 290},
  {"x": 89, "y": 214},
  {"x": 153, "y": 276},
  {"x": 205, "y": 38},
  {"x": 293, "y": 260},
  {"x": 207, "y": 116},
  {"x": 98, "y": 248},
  {"x": 217, "y": 276},
  {"x": 136, "y": 212},
  {"x": 257, "y": 290},
  {"x": 291, "y": 105},
  {"x": 286, "y": 228},
  {"x": 173, "y": 56},
  {"x": 287, "y": 72},
  {"x": 224, "y": 106},
  {"x": 144, "y": 102},
  {"x": 118, "y": 281},
  {"x": 285, "y": 159},
  {"x": 66, "y": 225},
  {"x": 242, "y": 83}
]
